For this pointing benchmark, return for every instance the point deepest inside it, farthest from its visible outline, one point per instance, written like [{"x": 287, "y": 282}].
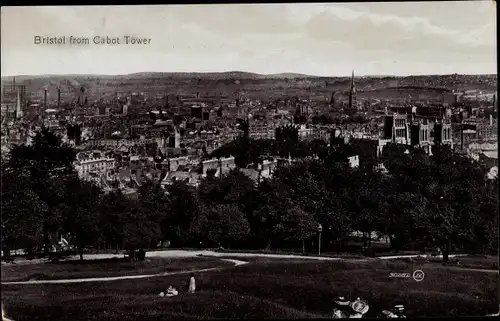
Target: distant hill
[
  {"x": 237, "y": 83},
  {"x": 184, "y": 75}
]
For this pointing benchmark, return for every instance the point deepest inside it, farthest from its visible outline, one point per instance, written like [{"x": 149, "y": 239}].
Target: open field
[
  {"x": 263, "y": 289},
  {"x": 105, "y": 268}
]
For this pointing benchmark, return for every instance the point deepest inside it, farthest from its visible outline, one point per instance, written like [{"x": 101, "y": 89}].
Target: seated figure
[{"x": 171, "y": 291}]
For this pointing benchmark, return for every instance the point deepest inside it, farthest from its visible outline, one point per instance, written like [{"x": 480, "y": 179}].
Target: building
[
  {"x": 443, "y": 133},
  {"x": 488, "y": 130},
  {"x": 260, "y": 128},
  {"x": 174, "y": 141},
  {"x": 396, "y": 129},
  {"x": 93, "y": 165},
  {"x": 489, "y": 158},
  {"x": 264, "y": 170},
  {"x": 353, "y": 161},
  {"x": 220, "y": 166},
  {"x": 190, "y": 178},
  {"x": 421, "y": 136},
  {"x": 197, "y": 111},
  {"x": 311, "y": 133},
  {"x": 176, "y": 162}
]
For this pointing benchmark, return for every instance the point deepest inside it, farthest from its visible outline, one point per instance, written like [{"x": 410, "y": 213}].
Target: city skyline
[{"x": 374, "y": 39}]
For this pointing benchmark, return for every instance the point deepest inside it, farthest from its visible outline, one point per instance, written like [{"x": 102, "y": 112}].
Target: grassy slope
[
  {"x": 269, "y": 289},
  {"x": 104, "y": 268}
]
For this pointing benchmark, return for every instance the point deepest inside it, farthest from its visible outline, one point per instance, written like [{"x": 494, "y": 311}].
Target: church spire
[{"x": 352, "y": 92}]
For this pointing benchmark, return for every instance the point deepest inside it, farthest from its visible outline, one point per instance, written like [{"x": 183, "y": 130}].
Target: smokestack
[
  {"x": 45, "y": 98},
  {"x": 462, "y": 135},
  {"x": 58, "y": 97},
  {"x": 19, "y": 106},
  {"x": 14, "y": 82},
  {"x": 491, "y": 120}
]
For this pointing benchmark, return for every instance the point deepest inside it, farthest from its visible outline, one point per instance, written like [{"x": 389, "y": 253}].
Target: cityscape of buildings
[{"x": 126, "y": 139}]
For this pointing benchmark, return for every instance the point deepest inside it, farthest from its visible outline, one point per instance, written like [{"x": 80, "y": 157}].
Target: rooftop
[{"x": 491, "y": 154}]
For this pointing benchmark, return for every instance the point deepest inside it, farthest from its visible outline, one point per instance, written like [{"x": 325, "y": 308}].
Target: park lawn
[
  {"x": 264, "y": 259},
  {"x": 486, "y": 262},
  {"x": 105, "y": 268},
  {"x": 296, "y": 253},
  {"x": 261, "y": 290}
]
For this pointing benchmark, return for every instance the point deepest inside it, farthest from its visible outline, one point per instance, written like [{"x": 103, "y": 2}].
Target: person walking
[{"x": 192, "y": 284}]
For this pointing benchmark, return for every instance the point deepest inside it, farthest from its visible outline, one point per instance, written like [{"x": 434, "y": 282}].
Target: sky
[{"x": 407, "y": 38}]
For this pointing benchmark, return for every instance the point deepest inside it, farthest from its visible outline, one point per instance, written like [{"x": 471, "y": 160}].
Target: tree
[
  {"x": 233, "y": 188},
  {"x": 220, "y": 225},
  {"x": 113, "y": 209},
  {"x": 152, "y": 199},
  {"x": 297, "y": 225},
  {"x": 141, "y": 229},
  {"x": 184, "y": 205},
  {"x": 22, "y": 213},
  {"x": 403, "y": 220},
  {"x": 83, "y": 213},
  {"x": 49, "y": 163},
  {"x": 274, "y": 200}
]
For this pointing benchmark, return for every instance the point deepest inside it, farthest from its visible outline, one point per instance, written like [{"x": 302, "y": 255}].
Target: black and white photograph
[{"x": 249, "y": 161}]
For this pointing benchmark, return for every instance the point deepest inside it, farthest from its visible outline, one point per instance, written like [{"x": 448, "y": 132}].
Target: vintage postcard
[{"x": 293, "y": 160}]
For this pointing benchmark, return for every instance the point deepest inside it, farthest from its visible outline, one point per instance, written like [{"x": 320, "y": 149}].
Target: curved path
[
  {"x": 183, "y": 253},
  {"x": 127, "y": 277},
  {"x": 207, "y": 253}
]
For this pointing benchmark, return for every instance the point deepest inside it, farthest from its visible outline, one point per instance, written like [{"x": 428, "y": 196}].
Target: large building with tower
[
  {"x": 396, "y": 128},
  {"x": 422, "y": 133}
]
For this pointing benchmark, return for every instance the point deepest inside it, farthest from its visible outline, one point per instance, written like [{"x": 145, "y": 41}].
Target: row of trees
[{"x": 443, "y": 200}]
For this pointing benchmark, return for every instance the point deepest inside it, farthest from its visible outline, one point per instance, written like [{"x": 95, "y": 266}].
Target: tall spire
[
  {"x": 352, "y": 92},
  {"x": 19, "y": 108}
]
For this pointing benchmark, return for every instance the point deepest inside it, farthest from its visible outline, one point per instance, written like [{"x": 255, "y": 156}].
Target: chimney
[
  {"x": 58, "y": 97},
  {"x": 462, "y": 135},
  {"x": 491, "y": 120},
  {"x": 14, "y": 82},
  {"x": 19, "y": 110},
  {"x": 45, "y": 98}
]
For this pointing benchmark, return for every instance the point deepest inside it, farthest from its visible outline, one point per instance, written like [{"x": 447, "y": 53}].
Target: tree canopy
[{"x": 423, "y": 201}]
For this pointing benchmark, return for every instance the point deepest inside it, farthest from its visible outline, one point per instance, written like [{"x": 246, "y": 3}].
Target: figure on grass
[{"x": 192, "y": 284}]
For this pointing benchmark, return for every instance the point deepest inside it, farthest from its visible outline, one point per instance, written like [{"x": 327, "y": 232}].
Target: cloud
[
  {"x": 308, "y": 38},
  {"x": 376, "y": 32}
]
